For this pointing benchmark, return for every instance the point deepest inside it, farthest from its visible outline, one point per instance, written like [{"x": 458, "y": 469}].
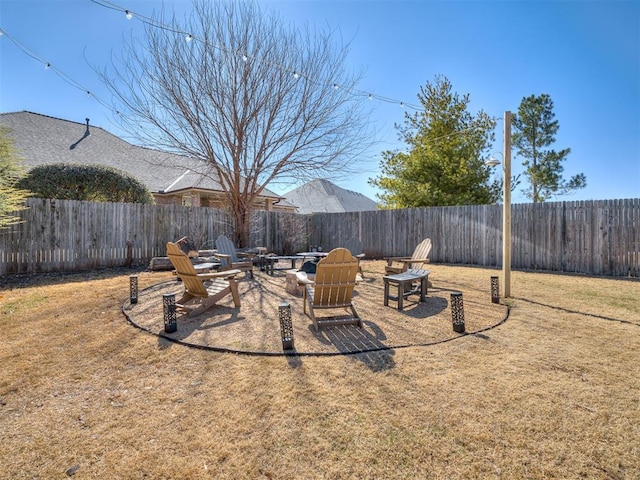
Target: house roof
[
  {"x": 41, "y": 139},
  {"x": 323, "y": 196}
]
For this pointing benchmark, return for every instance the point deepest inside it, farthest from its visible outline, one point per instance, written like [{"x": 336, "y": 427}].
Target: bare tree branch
[{"x": 230, "y": 98}]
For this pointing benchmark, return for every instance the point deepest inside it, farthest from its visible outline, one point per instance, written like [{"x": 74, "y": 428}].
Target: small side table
[
  {"x": 404, "y": 281},
  {"x": 267, "y": 262}
]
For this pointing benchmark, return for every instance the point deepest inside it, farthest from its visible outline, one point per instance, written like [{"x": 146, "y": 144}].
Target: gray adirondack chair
[{"x": 230, "y": 258}]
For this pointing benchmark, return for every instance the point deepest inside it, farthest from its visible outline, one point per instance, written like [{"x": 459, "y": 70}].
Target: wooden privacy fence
[
  {"x": 592, "y": 237},
  {"x": 600, "y": 237},
  {"x": 66, "y": 235}
]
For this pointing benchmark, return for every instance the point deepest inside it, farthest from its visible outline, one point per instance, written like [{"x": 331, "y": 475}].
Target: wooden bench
[{"x": 405, "y": 281}]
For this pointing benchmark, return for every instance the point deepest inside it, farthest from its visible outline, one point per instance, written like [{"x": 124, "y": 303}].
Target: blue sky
[{"x": 584, "y": 54}]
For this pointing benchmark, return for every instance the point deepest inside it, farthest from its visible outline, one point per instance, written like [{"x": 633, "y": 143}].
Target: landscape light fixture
[
  {"x": 495, "y": 290},
  {"x": 169, "y": 312},
  {"x": 133, "y": 289},
  {"x": 493, "y": 161},
  {"x": 457, "y": 312},
  {"x": 286, "y": 327}
]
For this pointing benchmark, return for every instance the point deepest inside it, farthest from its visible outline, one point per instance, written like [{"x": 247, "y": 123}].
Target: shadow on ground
[{"x": 254, "y": 328}]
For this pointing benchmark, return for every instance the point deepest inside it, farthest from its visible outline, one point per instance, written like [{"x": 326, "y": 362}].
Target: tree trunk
[{"x": 241, "y": 216}]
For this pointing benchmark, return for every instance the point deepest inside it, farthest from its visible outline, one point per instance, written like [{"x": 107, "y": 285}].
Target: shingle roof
[
  {"x": 324, "y": 196},
  {"x": 42, "y": 139}
]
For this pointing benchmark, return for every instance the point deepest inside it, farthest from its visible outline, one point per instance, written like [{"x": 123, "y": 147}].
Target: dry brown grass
[{"x": 552, "y": 393}]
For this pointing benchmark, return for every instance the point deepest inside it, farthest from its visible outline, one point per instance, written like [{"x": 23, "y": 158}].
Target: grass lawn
[{"x": 553, "y": 392}]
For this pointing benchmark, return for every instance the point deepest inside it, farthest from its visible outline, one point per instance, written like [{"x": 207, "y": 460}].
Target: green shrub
[{"x": 95, "y": 183}]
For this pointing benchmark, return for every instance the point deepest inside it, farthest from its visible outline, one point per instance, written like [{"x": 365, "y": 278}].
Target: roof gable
[{"x": 324, "y": 196}]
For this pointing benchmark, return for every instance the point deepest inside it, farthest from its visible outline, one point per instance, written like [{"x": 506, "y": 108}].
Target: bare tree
[{"x": 252, "y": 98}]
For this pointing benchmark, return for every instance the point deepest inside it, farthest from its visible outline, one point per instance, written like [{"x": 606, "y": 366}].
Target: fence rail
[{"x": 592, "y": 237}]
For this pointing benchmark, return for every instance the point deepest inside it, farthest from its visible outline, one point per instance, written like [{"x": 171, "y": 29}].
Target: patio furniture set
[{"x": 330, "y": 286}]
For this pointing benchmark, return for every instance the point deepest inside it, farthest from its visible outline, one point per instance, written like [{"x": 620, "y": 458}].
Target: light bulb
[
  {"x": 335, "y": 86},
  {"x": 370, "y": 97},
  {"x": 296, "y": 75},
  {"x": 245, "y": 58},
  {"x": 47, "y": 66},
  {"x": 188, "y": 38},
  {"x": 128, "y": 14}
]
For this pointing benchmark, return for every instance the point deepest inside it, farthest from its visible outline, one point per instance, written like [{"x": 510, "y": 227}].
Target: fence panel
[{"x": 592, "y": 237}]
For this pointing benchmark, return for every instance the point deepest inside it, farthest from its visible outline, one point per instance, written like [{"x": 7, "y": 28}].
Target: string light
[
  {"x": 49, "y": 66},
  {"x": 189, "y": 37},
  {"x": 73, "y": 83}
]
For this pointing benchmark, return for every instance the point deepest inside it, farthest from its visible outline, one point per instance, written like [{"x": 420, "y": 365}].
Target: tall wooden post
[{"x": 506, "y": 214}]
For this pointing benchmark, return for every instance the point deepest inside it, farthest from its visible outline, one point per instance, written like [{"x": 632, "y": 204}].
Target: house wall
[{"x": 212, "y": 201}]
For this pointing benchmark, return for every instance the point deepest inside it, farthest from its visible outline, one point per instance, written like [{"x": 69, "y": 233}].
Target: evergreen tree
[
  {"x": 444, "y": 164},
  {"x": 535, "y": 129},
  {"x": 11, "y": 198}
]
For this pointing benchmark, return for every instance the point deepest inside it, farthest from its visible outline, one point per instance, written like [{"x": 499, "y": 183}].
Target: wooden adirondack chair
[
  {"x": 230, "y": 258},
  {"x": 332, "y": 288},
  {"x": 417, "y": 260},
  {"x": 354, "y": 245},
  {"x": 201, "y": 290}
]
